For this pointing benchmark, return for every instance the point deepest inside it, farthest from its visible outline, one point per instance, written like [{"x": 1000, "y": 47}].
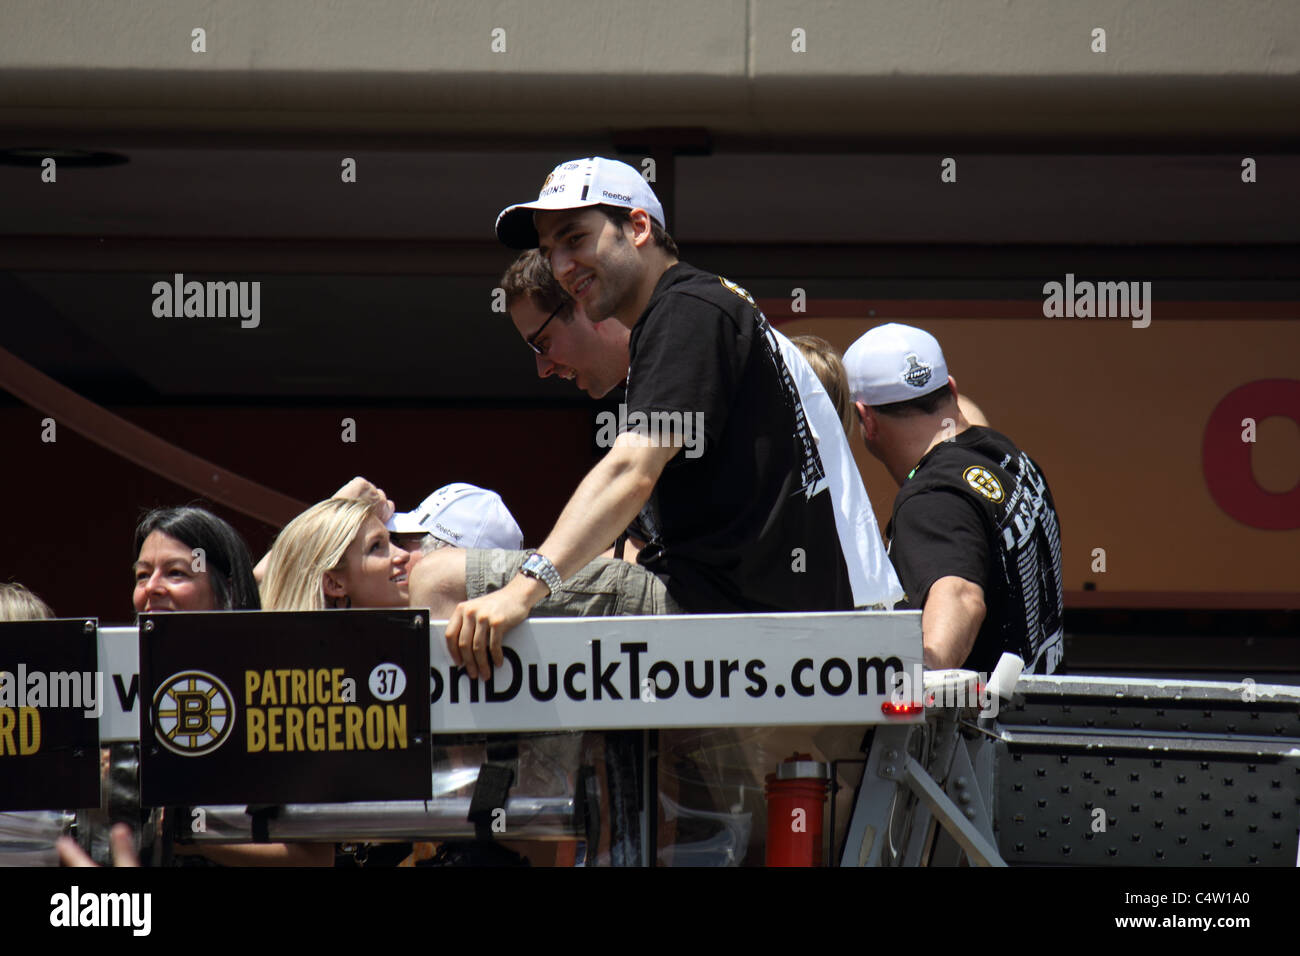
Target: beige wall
[
  {"x": 1116, "y": 416},
  {"x": 871, "y": 66}
]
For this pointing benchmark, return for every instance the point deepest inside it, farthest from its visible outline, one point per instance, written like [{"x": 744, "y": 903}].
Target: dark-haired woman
[
  {"x": 188, "y": 559},
  {"x": 191, "y": 560}
]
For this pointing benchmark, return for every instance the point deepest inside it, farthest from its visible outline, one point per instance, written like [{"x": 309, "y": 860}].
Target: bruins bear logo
[
  {"x": 983, "y": 481},
  {"x": 193, "y": 713},
  {"x": 732, "y": 287}
]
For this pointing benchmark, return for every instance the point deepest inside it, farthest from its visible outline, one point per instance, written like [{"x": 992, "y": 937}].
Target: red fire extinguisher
[{"x": 796, "y": 794}]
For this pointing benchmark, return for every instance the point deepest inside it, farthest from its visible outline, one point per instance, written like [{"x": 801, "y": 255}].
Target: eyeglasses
[{"x": 532, "y": 339}]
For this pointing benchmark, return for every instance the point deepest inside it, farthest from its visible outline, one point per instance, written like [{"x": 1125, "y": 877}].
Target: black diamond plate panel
[
  {"x": 1159, "y": 807},
  {"x": 1130, "y": 713}
]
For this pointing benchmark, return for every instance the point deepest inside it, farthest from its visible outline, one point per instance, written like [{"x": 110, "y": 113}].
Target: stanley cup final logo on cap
[
  {"x": 549, "y": 189},
  {"x": 917, "y": 373}
]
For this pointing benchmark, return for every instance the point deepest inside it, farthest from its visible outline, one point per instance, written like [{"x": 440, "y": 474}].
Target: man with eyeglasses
[
  {"x": 771, "y": 515},
  {"x": 565, "y": 342},
  {"x": 592, "y": 355}
]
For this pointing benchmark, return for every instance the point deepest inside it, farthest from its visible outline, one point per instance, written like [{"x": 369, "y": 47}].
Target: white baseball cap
[
  {"x": 579, "y": 182},
  {"x": 894, "y": 363},
  {"x": 463, "y": 515}
]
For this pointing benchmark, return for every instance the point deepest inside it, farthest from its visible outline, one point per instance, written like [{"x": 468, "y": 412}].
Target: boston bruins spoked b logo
[
  {"x": 983, "y": 481},
  {"x": 193, "y": 713},
  {"x": 743, "y": 293}
]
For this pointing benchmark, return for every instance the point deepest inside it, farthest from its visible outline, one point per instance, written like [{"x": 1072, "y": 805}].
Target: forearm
[
  {"x": 608, "y": 498},
  {"x": 604, "y": 504},
  {"x": 271, "y": 854},
  {"x": 950, "y": 622},
  {"x": 356, "y": 488}
]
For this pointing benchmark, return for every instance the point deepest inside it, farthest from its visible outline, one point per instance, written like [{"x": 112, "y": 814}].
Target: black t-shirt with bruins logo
[{"x": 979, "y": 508}]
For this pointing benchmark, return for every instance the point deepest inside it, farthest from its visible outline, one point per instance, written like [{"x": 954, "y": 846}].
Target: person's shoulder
[
  {"x": 684, "y": 278},
  {"x": 958, "y": 464},
  {"x": 681, "y": 276},
  {"x": 684, "y": 289},
  {"x": 983, "y": 437},
  {"x": 934, "y": 503},
  {"x": 933, "y": 481},
  {"x": 976, "y": 445},
  {"x": 952, "y": 455},
  {"x": 1002, "y": 451}
]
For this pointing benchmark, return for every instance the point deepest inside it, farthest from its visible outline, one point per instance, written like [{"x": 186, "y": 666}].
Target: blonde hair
[
  {"x": 19, "y": 604},
  {"x": 311, "y": 544},
  {"x": 829, "y": 368}
]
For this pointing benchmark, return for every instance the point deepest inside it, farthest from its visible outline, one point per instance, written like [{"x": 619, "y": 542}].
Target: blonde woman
[
  {"x": 336, "y": 554},
  {"x": 27, "y": 838},
  {"x": 19, "y": 604},
  {"x": 829, "y": 369}
]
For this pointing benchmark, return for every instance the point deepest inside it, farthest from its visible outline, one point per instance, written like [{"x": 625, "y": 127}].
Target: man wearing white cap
[
  {"x": 460, "y": 515},
  {"x": 974, "y": 534},
  {"x": 729, "y": 449}
]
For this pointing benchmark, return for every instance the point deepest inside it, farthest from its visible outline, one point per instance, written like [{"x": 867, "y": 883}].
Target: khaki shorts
[{"x": 605, "y": 587}]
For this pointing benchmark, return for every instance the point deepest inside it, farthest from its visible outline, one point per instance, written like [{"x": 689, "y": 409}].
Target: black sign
[
  {"x": 265, "y": 707},
  {"x": 51, "y": 697}
]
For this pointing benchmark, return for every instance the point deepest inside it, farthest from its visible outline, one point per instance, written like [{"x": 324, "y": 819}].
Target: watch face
[{"x": 536, "y": 566}]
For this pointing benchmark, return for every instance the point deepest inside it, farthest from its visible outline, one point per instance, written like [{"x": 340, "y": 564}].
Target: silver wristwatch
[{"x": 539, "y": 567}]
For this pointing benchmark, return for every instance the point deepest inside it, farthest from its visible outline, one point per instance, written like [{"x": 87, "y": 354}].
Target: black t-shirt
[
  {"x": 751, "y": 514},
  {"x": 979, "y": 508}
]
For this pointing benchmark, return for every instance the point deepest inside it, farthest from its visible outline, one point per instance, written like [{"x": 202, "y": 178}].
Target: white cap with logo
[
  {"x": 463, "y": 515},
  {"x": 894, "y": 363},
  {"x": 579, "y": 182}
]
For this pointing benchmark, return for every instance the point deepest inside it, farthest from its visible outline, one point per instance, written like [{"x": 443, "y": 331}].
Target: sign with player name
[
  {"x": 51, "y": 698},
  {"x": 263, "y": 707},
  {"x": 690, "y": 671}
]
